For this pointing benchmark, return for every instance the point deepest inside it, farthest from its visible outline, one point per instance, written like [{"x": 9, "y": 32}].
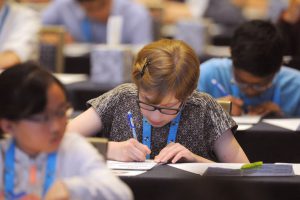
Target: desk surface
[{"x": 165, "y": 182}]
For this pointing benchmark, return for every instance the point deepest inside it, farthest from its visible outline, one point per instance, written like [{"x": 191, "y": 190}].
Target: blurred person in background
[
  {"x": 86, "y": 20},
  {"x": 19, "y": 27},
  {"x": 254, "y": 79},
  {"x": 289, "y": 25}
]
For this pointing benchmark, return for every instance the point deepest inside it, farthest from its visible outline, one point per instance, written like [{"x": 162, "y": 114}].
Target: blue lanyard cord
[
  {"x": 50, "y": 172},
  {"x": 6, "y": 11},
  {"x": 9, "y": 171},
  {"x": 87, "y": 30},
  {"x": 172, "y": 132},
  {"x": 9, "y": 177}
]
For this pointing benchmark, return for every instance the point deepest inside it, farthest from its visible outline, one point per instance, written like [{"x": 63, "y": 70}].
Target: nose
[
  {"x": 251, "y": 92},
  {"x": 155, "y": 116},
  {"x": 56, "y": 125}
]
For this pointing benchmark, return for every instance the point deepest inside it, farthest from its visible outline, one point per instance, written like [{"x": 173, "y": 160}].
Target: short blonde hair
[{"x": 166, "y": 66}]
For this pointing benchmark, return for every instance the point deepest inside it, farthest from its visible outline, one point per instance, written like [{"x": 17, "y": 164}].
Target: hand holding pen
[
  {"x": 131, "y": 124},
  {"x": 237, "y": 103}
]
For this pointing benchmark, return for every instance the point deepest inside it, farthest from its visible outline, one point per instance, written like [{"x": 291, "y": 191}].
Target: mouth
[
  {"x": 156, "y": 124},
  {"x": 56, "y": 140}
]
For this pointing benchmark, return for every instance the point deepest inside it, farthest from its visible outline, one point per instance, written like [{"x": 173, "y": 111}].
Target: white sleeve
[
  {"x": 88, "y": 177},
  {"x": 22, "y": 32}
]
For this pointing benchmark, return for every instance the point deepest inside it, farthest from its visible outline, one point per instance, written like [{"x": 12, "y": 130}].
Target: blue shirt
[
  {"x": 137, "y": 22},
  {"x": 286, "y": 83}
]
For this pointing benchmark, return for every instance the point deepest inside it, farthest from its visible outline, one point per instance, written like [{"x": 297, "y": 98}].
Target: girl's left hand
[{"x": 174, "y": 152}]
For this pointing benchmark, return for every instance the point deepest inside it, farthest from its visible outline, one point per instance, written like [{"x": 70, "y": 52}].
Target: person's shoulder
[
  {"x": 216, "y": 64},
  {"x": 287, "y": 74},
  {"x": 128, "y": 6},
  {"x": 127, "y": 89},
  {"x": 22, "y": 10},
  {"x": 200, "y": 98},
  {"x": 72, "y": 139}
]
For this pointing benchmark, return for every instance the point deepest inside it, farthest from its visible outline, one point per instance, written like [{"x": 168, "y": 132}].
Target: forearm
[{"x": 200, "y": 159}]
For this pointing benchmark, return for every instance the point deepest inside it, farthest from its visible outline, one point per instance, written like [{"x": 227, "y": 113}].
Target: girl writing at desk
[{"x": 173, "y": 121}]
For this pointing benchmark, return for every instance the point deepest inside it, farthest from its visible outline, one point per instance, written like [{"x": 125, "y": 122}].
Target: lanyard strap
[
  {"x": 10, "y": 172},
  {"x": 172, "y": 132},
  {"x": 5, "y": 13},
  {"x": 87, "y": 30}
]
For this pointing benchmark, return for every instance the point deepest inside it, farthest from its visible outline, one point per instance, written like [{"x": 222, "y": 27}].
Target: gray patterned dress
[{"x": 202, "y": 120}]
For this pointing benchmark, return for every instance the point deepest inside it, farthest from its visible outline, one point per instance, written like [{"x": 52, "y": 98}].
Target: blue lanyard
[
  {"x": 2, "y": 20},
  {"x": 9, "y": 176},
  {"x": 87, "y": 30},
  {"x": 247, "y": 102},
  {"x": 172, "y": 132}
]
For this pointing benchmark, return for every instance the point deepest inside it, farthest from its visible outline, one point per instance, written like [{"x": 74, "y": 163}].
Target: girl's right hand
[{"x": 126, "y": 151}]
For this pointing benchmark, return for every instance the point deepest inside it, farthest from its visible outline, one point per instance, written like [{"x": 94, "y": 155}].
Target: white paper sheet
[
  {"x": 71, "y": 78},
  {"x": 147, "y": 165},
  {"x": 291, "y": 124},
  {"x": 127, "y": 172},
  {"x": 243, "y": 127},
  {"x": 247, "y": 119},
  {"x": 77, "y": 49},
  {"x": 199, "y": 168}
]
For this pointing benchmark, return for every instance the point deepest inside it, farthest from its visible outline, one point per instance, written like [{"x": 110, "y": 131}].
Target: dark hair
[
  {"x": 23, "y": 90},
  {"x": 257, "y": 47}
]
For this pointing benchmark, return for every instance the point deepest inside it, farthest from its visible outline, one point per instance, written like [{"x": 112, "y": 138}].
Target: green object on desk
[{"x": 252, "y": 165}]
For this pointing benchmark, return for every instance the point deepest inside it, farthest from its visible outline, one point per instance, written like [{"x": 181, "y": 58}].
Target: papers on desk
[
  {"x": 130, "y": 168},
  {"x": 233, "y": 169},
  {"x": 246, "y": 121},
  {"x": 127, "y": 172},
  {"x": 200, "y": 168},
  {"x": 147, "y": 165},
  {"x": 77, "y": 49},
  {"x": 71, "y": 78},
  {"x": 264, "y": 170},
  {"x": 290, "y": 124}
]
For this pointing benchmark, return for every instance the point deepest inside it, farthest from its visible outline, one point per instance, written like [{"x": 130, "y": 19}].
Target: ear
[{"x": 7, "y": 126}]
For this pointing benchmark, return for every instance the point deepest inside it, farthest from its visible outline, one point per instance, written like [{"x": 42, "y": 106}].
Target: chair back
[
  {"x": 226, "y": 105},
  {"x": 51, "y": 45},
  {"x": 100, "y": 144}
]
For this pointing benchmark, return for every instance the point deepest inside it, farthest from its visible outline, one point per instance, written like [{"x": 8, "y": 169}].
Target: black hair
[
  {"x": 23, "y": 89},
  {"x": 257, "y": 47}
]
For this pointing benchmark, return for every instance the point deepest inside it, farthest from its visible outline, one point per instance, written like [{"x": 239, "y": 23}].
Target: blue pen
[
  {"x": 131, "y": 124},
  {"x": 219, "y": 87}
]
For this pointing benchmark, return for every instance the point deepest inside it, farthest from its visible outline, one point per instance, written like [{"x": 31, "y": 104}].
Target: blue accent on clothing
[
  {"x": 3, "y": 17},
  {"x": 86, "y": 28},
  {"x": 172, "y": 132},
  {"x": 284, "y": 92},
  {"x": 9, "y": 177},
  {"x": 136, "y": 29}
]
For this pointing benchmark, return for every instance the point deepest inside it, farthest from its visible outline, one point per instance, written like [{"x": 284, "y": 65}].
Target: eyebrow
[{"x": 163, "y": 105}]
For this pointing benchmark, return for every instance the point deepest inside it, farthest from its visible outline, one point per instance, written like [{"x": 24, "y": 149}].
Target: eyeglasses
[
  {"x": 257, "y": 87},
  {"x": 64, "y": 112},
  {"x": 163, "y": 110}
]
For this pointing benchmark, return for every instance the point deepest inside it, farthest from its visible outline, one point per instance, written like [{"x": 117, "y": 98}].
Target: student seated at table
[
  {"x": 38, "y": 160},
  {"x": 289, "y": 25},
  {"x": 19, "y": 27},
  {"x": 173, "y": 121},
  {"x": 253, "y": 79},
  {"x": 86, "y": 20}
]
